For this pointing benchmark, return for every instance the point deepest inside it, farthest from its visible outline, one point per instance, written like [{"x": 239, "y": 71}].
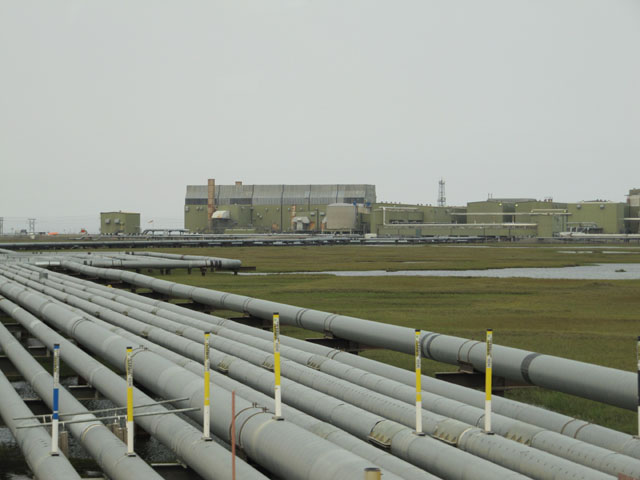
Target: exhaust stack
[{"x": 211, "y": 201}]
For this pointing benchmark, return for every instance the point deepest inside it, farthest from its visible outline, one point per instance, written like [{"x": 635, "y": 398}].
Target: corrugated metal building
[{"x": 269, "y": 208}]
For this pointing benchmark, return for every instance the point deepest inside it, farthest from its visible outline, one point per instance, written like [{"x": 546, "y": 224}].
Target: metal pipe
[
  {"x": 529, "y": 461},
  {"x": 261, "y": 437},
  {"x": 322, "y": 429},
  {"x": 607, "y": 385},
  {"x": 206, "y": 458},
  {"x": 567, "y": 426},
  {"x": 34, "y": 442},
  {"x": 359, "y": 422},
  {"x": 107, "y": 450},
  {"x": 355, "y": 420},
  {"x": 312, "y": 378},
  {"x": 217, "y": 262}
]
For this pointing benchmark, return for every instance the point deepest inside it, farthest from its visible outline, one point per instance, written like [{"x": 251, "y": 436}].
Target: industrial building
[
  {"x": 353, "y": 209},
  {"x": 268, "y": 208},
  {"x": 119, "y": 223}
]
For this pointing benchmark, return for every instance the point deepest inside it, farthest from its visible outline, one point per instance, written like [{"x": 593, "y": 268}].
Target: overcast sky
[{"x": 109, "y": 105}]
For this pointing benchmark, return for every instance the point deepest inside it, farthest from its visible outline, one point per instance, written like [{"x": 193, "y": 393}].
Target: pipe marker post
[
  {"x": 56, "y": 397},
  {"x": 233, "y": 435},
  {"x": 276, "y": 366},
  {"x": 638, "y": 356},
  {"x": 206, "y": 411},
  {"x": 488, "y": 378},
  {"x": 418, "y": 356},
  {"x": 372, "y": 473},
  {"x": 129, "y": 369}
]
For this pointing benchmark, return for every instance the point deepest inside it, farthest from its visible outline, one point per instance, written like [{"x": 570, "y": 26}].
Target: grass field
[{"x": 591, "y": 321}]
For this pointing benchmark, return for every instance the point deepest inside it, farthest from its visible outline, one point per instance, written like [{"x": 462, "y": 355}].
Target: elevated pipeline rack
[{"x": 342, "y": 415}]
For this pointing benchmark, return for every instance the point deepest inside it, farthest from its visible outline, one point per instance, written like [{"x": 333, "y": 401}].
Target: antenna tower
[{"x": 442, "y": 199}]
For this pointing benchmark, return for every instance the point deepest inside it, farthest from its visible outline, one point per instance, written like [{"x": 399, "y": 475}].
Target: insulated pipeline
[
  {"x": 35, "y": 443},
  {"x": 567, "y": 426},
  {"x": 280, "y": 447},
  {"x": 607, "y": 385},
  {"x": 108, "y": 451}
]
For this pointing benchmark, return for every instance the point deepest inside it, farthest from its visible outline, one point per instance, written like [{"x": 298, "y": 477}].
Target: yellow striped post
[
  {"x": 638, "y": 373},
  {"x": 372, "y": 473},
  {"x": 276, "y": 366},
  {"x": 418, "y": 357},
  {"x": 488, "y": 378},
  {"x": 129, "y": 369},
  {"x": 206, "y": 411}
]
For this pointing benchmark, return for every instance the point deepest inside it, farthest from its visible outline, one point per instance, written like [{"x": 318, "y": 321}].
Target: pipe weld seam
[
  {"x": 575, "y": 435},
  {"x": 463, "y": 433},
  {"x": 427, "y": 346},
  {"x": 524, "y": 366},
  {"x": 567, "y": 424},
  {"x": 244, "y": 422},
  {"x": 298, "y": 317}
]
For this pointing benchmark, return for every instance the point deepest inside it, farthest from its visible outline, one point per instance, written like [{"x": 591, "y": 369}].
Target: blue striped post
[{"x": 56, "y": 394}]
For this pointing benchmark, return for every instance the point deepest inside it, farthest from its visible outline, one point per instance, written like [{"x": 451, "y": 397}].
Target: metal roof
[{"x": 285, "y": 194}]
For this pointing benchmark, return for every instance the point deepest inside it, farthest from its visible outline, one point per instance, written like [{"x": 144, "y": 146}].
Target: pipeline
[
  {"x": 324, "y": 430},
  {"x": 354, "y": 420},
  {"x": 606, "y": 385},
  {"x": 614, "y": 464},
  {"x": 272, "y": 444},
  {"x": 565, "y": 425},
  {"x": 551, "y": 442},
  {"x": 208, "y": 459},
  {"x": 108, "y": 451},
  {"x": 539, "y": 464},
  {"x": 217, "y": 262},
  {"x": 35, "y": 443}
]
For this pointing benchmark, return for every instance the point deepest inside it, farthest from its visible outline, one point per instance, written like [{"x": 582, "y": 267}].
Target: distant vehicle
[
  {"x": 83, "y": 230},
  {"x": 52, "y": 233}
]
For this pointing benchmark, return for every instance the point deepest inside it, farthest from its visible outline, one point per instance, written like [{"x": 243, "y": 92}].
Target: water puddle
[{"x": 602, "y": 271}]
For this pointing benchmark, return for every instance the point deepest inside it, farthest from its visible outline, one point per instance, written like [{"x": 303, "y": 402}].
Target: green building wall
[
  {"x": 598, "y": 217},
  {"x": 125, "y": 223}
]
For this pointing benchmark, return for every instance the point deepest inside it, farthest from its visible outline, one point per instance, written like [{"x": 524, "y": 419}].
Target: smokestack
[{"x": 211, "y": 200}]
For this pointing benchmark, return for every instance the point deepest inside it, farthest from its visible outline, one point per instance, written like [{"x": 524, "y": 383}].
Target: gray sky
[{"x": 108, "y": 105}]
